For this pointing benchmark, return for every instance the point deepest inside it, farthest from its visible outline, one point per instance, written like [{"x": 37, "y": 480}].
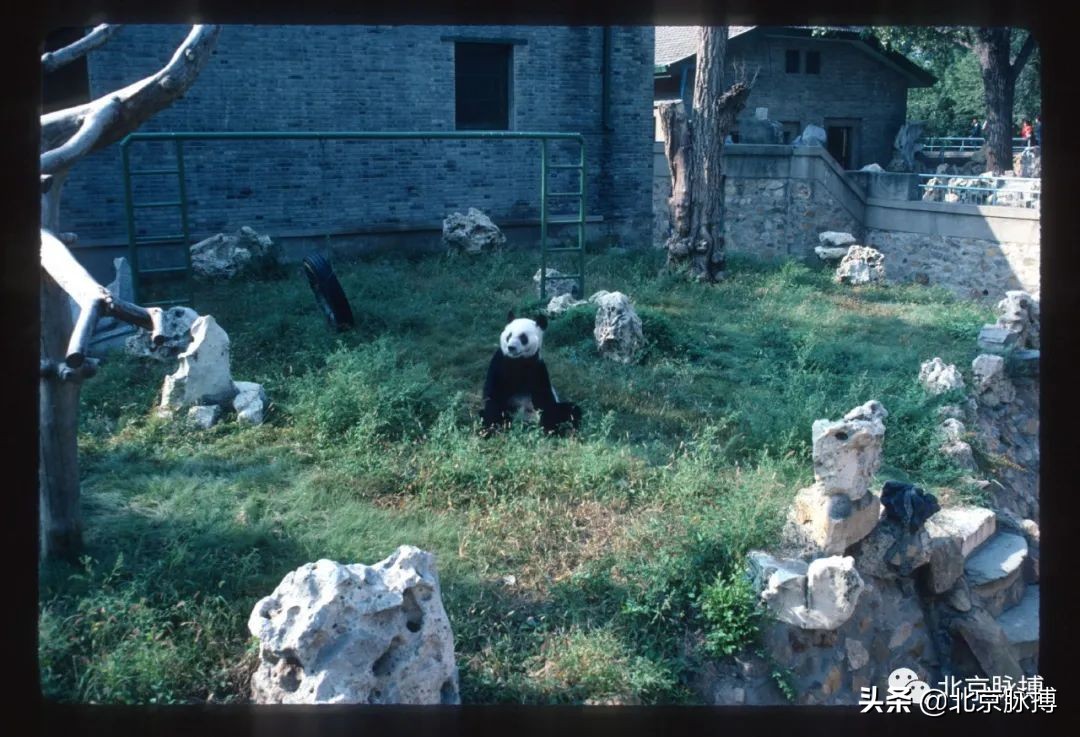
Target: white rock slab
[
  {"x": 1001, "y": 556},
  {"x": 972, "y": 526}
]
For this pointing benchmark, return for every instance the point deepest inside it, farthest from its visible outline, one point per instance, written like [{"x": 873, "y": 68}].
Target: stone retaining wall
[{"x": 780, "y": 197}]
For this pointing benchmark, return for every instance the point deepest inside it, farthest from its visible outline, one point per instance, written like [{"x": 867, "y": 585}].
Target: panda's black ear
[
  {"x": 510, "y": 316},
  {"x": 541, "y": 321}
]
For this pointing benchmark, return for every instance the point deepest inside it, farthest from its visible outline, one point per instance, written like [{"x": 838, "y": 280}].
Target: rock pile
[
  {"x": 472, "y": 233},
  {"x": 938, "y": 378},
  {"x": 562, "y": 303},
  {"x": 834, "y": 245},
  {"x": 939, "y": 591},
  {"x": 1017, "y": 325},
  {"x": 838, "y": 510},
  {"x": 820, "y": 595},
  {"x": 356, "y": 634},
  {"x": 202, "y": 383},
  {"x": 861, "y": 265},
  {"x": 224, "y": 256}
]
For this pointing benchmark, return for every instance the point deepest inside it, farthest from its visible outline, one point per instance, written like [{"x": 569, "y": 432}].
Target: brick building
[
  {"x": 848, "y": 85},
  {"x": 592, "y": 81}
]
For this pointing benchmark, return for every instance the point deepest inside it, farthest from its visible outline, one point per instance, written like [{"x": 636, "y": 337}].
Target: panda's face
[{"x": 521, "y": 338}]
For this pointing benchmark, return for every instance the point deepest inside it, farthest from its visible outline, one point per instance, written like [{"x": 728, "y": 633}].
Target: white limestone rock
[
  {"x": 204, "y": 416},
  {"x": 832, "y": 523},
  {"x": 1018, "y": 313},
  {"x": 938, "y": 377},
  {"x": 249, "y": 403},
  {"x": 836, "y": 239},
  {"x": 812, "y": 135},
  {"x": 875, "y": 168},
  {"x": 203, "y": 374},
  {"x": 356, "y": 634},
  {"x": 818, "y": 596},
  {"x": 861, "y": 265},
  {"x": 473, "y": 232},
  {"x": 992, "y": 385},
  {"x": 562, "y": 303},
  {"x": 833, "y": 587},
  {"x": 972, "y": 526},
  {"x": 827, "y": 254},
  {"x": 618, "y": 328},
  {"x": 781, "y": 583},
  {"x": 223, "y": 256},
  {"x": 175, "y": 327},
  {"x": 847, "y": 453}
]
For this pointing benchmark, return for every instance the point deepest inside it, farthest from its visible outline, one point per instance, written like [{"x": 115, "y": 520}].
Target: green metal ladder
[
  {"x": 135, "y": 243},
  {"x": 545, "y": 219},
  {"x": 181, "y": 240}
]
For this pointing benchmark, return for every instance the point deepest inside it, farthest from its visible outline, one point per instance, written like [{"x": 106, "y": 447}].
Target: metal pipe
[
  {"x": 543, "y": 220},
  {"x": 605, "y": 89},
  {"x": 347, "y": 135}
]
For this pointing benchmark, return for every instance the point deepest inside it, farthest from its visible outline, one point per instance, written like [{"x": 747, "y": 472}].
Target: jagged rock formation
[{"x": 356, "y": 634}]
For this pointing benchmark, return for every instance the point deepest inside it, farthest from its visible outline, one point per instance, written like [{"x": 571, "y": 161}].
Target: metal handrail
[
  {"x": 966, "y": 143},
  {"x": 179, "y": 137},
  {"x": 1025, "y": 196}
]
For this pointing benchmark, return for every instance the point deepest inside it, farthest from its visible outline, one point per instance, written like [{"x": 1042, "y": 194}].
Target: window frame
[{"x": 502, "y": 124}]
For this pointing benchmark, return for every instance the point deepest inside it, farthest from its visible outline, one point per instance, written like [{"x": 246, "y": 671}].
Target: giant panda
[{"x": 517, "y": 380}]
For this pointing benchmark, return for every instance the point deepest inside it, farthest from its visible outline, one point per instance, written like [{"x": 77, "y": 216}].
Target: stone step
[
  {"x": 972, "y": 526},
  {"x": 995, "y": 339},
  {"x": 996, "y": 560},
  {"x": 1021, "y": 625}
]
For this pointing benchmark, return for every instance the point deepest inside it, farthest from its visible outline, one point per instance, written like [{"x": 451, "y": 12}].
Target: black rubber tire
[{"x": 328, "y": 292}]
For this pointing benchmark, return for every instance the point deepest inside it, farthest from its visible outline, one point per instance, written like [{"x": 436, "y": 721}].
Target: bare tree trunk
[
  {"x": 695, "y": 152},
  {"x": 58, "y": 470},
  {"x": 68, "y": 136},
  {"x": 991, "y": 46},
  {"x": 61, "y": 516}
]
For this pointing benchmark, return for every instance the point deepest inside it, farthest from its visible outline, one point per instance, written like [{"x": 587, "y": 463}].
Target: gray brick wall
[
  {"x": 851, "y": 84},
  {"x": 295, "y": 78}
]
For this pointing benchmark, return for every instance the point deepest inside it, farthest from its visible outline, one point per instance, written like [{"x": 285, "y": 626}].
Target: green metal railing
[{"x": 182, "y": 239}]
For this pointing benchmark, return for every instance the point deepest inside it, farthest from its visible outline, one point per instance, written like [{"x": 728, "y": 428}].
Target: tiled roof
[{"x": 674, "y": 43}]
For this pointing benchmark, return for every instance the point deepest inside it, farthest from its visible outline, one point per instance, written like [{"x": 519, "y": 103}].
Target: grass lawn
[{"x": 597, "y": 566}]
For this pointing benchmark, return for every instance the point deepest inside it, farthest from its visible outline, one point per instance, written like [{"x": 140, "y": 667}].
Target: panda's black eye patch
[{"x": 524, "y": 339}]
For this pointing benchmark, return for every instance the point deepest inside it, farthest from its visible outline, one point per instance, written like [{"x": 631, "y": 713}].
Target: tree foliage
[
  {"x": 1002, "y": 59},
  {"x": 948, "y": 106}
]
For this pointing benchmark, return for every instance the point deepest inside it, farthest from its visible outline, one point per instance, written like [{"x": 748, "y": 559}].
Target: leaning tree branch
[
  {"x": 94, "y": 301},
  {"x": 53, "y": 60},
  {"x": 138, "y": 101},
  {"x": 85, "y": 140},
  {"x": 1022, "y": 57}
]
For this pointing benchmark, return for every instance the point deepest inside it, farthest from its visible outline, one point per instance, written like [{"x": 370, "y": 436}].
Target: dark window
[
  {"x": 482, "y": 86},
  {"x": 791, "y": 130},
  {"x": 813, "y": 62},
  {"x": 70, "y": 84},
  {"x": 791, "y": 61}
]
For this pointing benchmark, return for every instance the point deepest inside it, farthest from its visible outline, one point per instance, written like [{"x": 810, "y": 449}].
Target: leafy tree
[{"x": 1001, "y": 56}]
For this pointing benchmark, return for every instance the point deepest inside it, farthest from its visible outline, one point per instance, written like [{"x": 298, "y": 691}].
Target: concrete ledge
[
  {"x": 1016, "y": 213},
  {"x": 1000, "y": 224}
]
